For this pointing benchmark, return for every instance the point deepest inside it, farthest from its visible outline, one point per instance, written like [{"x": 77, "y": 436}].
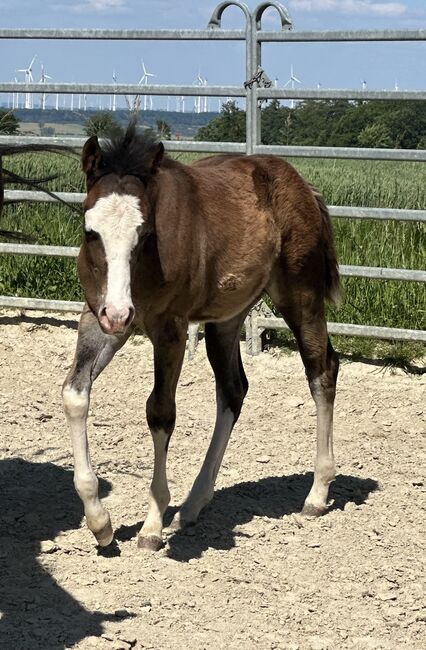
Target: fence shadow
[
  {"x": 37, "y": 501},
  {"x": 271, "y": 497},
  {"x": 39, "y": 320}
]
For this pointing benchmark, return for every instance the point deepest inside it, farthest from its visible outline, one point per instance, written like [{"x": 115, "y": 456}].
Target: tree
[
  {"x": 230, "y": 126},
  {"x": 276, "y": 123},
  {"x": 102, "y": 125},
  {"x": 375, "y": 135},
  {"x": 332, "y": 123},
  {"x": 8, "y": 122},
  {"x": 164, "y": 130}
]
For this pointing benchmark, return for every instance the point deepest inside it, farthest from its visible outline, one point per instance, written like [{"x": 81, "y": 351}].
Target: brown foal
[{"x": 166, "y": 244}]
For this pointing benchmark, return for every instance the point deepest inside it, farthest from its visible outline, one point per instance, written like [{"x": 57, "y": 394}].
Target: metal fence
[{"x": 256, "y": 88}]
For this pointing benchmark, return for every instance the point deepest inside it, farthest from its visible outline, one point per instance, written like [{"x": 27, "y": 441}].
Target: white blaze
[{"x": 116, "y": 218}]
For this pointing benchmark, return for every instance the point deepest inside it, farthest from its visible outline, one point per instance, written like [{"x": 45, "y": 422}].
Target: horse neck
[{"x": 176, "y": 224}]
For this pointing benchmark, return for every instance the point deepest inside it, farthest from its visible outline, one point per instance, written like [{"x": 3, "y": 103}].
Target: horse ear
[
  {"x": 91, "y": 156},
  {"x": 158, "y": 157}
]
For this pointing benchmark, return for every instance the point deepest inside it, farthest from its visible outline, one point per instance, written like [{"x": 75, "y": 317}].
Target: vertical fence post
[
  {"x": 215, "y": 21},
  {"x": 256, "y": 55}
]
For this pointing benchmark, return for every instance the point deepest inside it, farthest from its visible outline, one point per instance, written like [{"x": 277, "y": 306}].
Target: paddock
[{"x": 251, "y": 573}]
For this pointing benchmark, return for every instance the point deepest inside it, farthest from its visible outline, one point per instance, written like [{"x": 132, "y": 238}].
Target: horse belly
[{"x": 230, "y": 295}]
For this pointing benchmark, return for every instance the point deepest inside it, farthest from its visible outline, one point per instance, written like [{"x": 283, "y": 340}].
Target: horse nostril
[{"x": 130, "y": 317}]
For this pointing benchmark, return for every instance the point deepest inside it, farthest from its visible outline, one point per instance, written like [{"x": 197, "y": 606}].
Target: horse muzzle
[{"x": 115, "y": 320}]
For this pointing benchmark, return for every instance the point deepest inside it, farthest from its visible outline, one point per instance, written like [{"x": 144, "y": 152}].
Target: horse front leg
[
  {"x": 94, "y": 351},
  {"x": 169, "y": 341}
]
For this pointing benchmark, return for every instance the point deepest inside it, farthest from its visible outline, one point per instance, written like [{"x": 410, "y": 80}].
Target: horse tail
[{"x": 332, "y": 278}]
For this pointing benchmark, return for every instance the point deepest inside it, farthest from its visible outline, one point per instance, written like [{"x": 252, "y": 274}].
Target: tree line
[{"x": 333, "y": 123}]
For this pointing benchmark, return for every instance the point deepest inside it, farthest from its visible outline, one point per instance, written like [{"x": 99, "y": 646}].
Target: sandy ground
[{"x": 251, "y": 573}]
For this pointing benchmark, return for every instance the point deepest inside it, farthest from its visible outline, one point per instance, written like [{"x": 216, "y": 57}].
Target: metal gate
[{"x": 256, "y": 88}]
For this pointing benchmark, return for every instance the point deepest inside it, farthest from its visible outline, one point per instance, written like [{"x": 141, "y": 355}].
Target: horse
[
  {"x": 35, "y": 183},
  {"x": 166, "y": 244}
]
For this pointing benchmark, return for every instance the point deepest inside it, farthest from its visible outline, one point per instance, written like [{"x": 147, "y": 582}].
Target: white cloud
[
  {"x": 101, "y": 5},
  {"x": 95, "y": 6},
  {"x": 353, "y": 7}
]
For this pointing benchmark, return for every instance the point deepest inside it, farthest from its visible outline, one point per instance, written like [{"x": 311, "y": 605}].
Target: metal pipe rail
[
  {"x": 190, "y": 146},
  {"x": 216, "y": 34},
  {"x": 377, "y": 273},
  {"x": 209, "y": 91},
  {"x": 254, "y": 36},
  {"x": 338, "y": 211},
  {"x": 342, "y": 36},
  {"x": 122, "y": 89},
  {"x": 346, "y": 329},
  {"x": 125, "y": 34}
]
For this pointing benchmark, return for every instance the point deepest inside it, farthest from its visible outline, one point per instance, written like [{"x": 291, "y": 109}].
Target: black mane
[{"x": 130, "y": 152}]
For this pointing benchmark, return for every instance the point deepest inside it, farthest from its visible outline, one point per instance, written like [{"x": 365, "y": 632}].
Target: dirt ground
[{"x": 251, "y": 573}]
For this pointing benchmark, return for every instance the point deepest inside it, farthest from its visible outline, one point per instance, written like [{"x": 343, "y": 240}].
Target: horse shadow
[
  {"x": 271, "y": 497},
  {"x": 37, "y": 502}
]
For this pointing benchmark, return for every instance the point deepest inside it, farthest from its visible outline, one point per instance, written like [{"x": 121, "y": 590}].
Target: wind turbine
[
  {"x": 113, "y": 98},
  {"x": 205, "y": 98},
  {"x": 15, "y": 97},
  {"x": 198, "y": 81},
  {"x": 200, "y": 103},
  {"x": 43, "y": 79},
  {"x": 292, "y": 81},
  {"x": 28, "y": 80},
  {"x": 144, "y": 81}
]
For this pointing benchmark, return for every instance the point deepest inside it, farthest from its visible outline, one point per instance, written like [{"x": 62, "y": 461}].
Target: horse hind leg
[{"x": 303, "y": 309}]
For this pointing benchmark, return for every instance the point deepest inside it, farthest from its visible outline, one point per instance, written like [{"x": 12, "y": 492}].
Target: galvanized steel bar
[
  {"x": 40, "y": 303},
  {"x": 329, "y": 93},
  {"x": 378, "y": 273},
  {"x": 38, "y": 249},
  {"x": 388, "y": 214},
  {"x": 216, "y": 23},
  {"x": 213, "y": 34},
  {"x": 354, "y": 153},
  {"x": 170, "y": 145},
  {"x": 381, "y": 273},
  {"x": 342, "y": 36},
  {"x": 17, "y": 140},
  {"x": 126, "y": 34},
  {"x": 123, "y": 89},
  {"x": 286, "y": 22},
  {"x": 350, "y": 153},
  {"x": 29, "y": 196},
  {"x": 338, "y": 211},
  {"x": 348, "y": 329}
]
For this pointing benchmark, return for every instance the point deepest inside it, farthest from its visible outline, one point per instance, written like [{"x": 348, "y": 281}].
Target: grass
[{"x": 359, "y": 242}]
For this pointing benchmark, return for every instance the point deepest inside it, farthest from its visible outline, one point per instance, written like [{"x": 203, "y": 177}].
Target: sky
[{"x": 333, "y": 65}]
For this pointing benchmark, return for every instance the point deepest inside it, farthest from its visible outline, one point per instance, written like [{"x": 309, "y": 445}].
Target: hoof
[
  {"x": 150, "y": 543},
  {"x": 310, "y": 510},
  {"x": 180, "y": 523},
  {"x": 105, "y": 536}
]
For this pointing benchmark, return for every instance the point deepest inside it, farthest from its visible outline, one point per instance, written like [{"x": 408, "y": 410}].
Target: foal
[{"x": 166, "y": 244}]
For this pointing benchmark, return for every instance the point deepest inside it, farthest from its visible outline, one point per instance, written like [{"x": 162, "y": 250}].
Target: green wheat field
[{"x": 359, "y": 242}]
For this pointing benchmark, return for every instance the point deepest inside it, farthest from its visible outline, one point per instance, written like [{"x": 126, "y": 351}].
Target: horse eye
[{"x": 91, "y": 235}]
